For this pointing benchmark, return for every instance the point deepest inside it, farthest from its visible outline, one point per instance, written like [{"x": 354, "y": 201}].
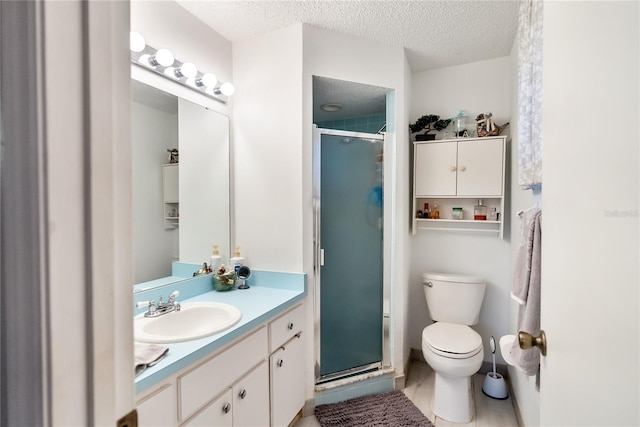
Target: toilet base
[{"x": 452, "y": 399}]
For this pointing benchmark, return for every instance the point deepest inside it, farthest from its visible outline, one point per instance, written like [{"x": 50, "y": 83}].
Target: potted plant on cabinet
[{"x": 428, "y": 122}]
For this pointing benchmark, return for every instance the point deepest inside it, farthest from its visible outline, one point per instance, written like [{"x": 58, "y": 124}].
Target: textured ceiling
[{"x": 435, "y": 34}]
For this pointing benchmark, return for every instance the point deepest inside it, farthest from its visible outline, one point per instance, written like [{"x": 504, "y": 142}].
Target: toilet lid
[{"x": 452, "y": 339}]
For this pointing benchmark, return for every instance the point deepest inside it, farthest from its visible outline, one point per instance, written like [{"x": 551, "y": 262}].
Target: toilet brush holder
[{"x": 494, "y": 386}]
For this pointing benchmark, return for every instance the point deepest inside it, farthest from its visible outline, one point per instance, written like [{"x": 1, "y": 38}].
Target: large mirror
[{"x": 180, "y": 200}]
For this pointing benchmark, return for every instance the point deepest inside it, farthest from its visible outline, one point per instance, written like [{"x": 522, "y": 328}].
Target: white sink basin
[{"x": 194, "y": 320}]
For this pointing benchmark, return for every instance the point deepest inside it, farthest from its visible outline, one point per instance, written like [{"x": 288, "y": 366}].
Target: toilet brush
[{"x": 494, "y": 384}]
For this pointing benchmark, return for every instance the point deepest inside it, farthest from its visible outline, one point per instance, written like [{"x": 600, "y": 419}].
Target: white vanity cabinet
[
  {"x": 457, "y": 173},
  {"x": 286, "y": 366},
  {"x": 246, "y": 404},
  {"x": 158, "y": 408},
  {"x": 257, "y": 380}
]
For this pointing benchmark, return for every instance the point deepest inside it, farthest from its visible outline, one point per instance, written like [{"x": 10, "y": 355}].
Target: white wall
[
  {"x": 268, "y": 137},
  {"x": 590, "y": 197},
  {"x": 337, "y": 56},
  {"x": 477, "y": 87},
  {"x": 526, "y": 395}
]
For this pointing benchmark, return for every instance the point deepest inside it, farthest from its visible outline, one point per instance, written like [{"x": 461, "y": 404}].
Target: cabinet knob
[
  {"x": 452, "y": 168},
  {"x": 463, "y": 168},
  {"x": 279, "y": 363},
  {"x": 226, "y": 408},
  {"x": 242, "y": 393},
  {"x": 290, "y": 326}
]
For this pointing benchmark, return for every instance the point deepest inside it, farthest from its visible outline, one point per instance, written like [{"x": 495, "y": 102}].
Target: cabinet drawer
[
  {"x": 201, "y": 384},
  {"x": 284, "y": 327}
]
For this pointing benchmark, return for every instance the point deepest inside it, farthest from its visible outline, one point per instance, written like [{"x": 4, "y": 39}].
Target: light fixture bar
[{"x": 162, "y": 62}]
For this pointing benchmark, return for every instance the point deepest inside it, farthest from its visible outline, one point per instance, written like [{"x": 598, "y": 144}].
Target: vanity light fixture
[{"x": 164, "y": 63}]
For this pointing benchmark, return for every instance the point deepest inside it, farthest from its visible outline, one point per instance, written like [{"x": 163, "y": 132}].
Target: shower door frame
[{"x": 387, "y": 246}]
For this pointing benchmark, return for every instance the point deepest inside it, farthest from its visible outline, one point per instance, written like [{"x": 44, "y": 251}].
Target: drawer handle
[
  {"x": 290, "y": 326},
  {"x": 243, "y": 393},
  {"x": 280, "y": 363},
  {"x": 226, "y": 408}
]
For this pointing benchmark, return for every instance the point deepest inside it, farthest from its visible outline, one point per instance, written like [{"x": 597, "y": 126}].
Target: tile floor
[{"x": 489, "y": 412}]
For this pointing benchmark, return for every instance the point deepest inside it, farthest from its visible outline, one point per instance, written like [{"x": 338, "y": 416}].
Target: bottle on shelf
[
  {"x": 426, "y": 213},
  {"x": 435, "y": 212},
  {"x": 480, "y": 211},
  {"x": 493, "y": 214}
]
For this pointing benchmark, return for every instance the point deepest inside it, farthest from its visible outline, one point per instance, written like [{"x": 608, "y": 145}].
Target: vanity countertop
[{"x": 257, "y": 305}]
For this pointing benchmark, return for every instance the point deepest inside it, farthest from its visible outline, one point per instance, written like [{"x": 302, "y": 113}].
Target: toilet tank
[{"x": 453, "y": 298}]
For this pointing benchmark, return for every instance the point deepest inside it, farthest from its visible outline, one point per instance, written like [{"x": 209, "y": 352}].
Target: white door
[
  {"x": 251, "y": 398},
  {"x": 435, "y": 169},
  {"x": 287, "y": 389},
  {"x": 590, "y": 201}
]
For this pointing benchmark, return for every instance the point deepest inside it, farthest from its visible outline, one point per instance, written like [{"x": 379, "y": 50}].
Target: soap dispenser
[
  {"x": 237, "y": 261},
  {"x": 216, "y": 259}
]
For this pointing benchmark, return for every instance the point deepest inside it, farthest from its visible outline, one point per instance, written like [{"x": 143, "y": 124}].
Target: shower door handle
[{"x": 321, "y": 257}]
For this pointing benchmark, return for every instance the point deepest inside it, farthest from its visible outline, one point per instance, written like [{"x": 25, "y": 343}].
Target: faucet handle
[
  {"x": 174, "y": 295},
  {"x": 144, "y": 304}
]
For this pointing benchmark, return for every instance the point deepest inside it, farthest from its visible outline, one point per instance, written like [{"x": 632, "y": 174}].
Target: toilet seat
[{"x": 452, "y": 340}]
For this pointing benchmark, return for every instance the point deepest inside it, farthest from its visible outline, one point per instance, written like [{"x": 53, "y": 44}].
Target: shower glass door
[{"x": 350, "y": 229}]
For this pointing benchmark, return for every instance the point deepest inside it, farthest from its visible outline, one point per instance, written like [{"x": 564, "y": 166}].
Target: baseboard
[{"x": 309, "y": 407}]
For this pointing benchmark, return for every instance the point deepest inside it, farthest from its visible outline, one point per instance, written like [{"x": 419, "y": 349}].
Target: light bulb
[
  {"x": 164, "y": 57},
  {"x": 208, "y": 80},
  {"x": 227, "y": 89},
  {"x": 170, "y": 71},
  {"x": 191, "y": 82},
  {"x": 188, "y": 70},
  {"x": 136, "y": 42}
]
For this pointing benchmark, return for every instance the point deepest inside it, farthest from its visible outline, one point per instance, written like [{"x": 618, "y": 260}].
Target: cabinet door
[
  {"x": 251, "y": 398},
  {"x": 435, "y": 169},
  {"x": 218, "y": 413},
  {"x": 480, "y": 167},
  {"x": 159, "y": 409},
  {"x": 287, "y": 381},
  {"x": 170, "y": 183}
]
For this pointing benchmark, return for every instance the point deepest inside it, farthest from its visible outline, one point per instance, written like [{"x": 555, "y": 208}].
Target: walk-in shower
[{"x": 349, "y": 227}]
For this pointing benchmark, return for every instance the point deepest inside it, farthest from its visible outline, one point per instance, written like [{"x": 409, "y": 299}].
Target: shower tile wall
[{"x": 368, "y": 124}]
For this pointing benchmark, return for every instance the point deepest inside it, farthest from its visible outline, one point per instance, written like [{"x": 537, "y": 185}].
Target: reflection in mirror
[{"x": 180, "y": 210}]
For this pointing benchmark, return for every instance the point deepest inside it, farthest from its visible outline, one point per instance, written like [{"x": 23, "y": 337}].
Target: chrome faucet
[{"x": 162, "y": 307}]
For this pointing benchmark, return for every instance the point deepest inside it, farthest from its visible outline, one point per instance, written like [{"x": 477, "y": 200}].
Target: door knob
[{"x": 526, "y": 341}]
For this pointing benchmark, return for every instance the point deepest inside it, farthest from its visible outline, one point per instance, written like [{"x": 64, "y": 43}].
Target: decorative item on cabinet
[
  {"x": 428, "y": 123},
  {"x": 462, "y": 127},
  {"x": 486, "y": 127},
  {"x": 173, "y": 155}
]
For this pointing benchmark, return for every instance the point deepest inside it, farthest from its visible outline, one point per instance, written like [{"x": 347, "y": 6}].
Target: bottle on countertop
[
  {"x": 216, "y": 259},
  {"x": 237, "y": 260}
]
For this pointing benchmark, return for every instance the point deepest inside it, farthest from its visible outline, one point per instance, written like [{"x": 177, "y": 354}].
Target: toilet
[{"x": 449, "y": 345}]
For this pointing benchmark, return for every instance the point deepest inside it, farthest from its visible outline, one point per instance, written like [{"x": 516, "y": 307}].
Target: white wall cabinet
[
  {"x": 457, "y": 173},
  {"x": 258, "y": 380},
  {"x": 170, "y": 195}
]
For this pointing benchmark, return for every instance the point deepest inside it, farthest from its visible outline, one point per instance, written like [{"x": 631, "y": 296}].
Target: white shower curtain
[{"x": 530, "y": 94}]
